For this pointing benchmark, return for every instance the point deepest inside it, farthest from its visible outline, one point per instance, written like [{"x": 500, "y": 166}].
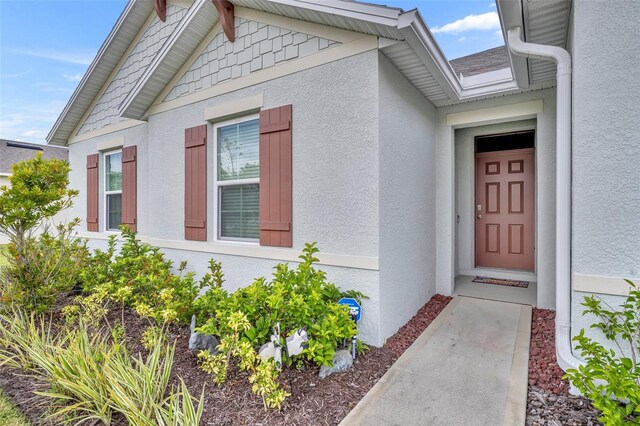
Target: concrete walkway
[{"x": 469, "y": 367}]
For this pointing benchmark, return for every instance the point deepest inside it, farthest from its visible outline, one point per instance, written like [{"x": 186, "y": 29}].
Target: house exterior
[{"x": 241, "y": 130}]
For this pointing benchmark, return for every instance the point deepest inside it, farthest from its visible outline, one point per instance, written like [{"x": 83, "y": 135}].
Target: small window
[
  {"x": 113, "y": 190},
  {"x": 237, "y": 179}
]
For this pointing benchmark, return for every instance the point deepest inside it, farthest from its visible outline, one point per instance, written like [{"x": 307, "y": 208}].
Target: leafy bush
[
  {"x": 43, "y": 260},
  {"x": 92, "y": 377},
  {"x": 612, "y": 380},
  {"x": 138, "y": 275},
  {"x": 264, "y": 375},
  {"x": 50, "y": 265},
  {"x": 295, "y": 298}
]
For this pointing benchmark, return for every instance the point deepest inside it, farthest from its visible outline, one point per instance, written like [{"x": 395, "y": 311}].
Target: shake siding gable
[
  {"x": 129, "y": 186},
  {"x": 92, "y": 192},
  {"x": 195, "y": 198},
  {"x": 276, "y": 177}
]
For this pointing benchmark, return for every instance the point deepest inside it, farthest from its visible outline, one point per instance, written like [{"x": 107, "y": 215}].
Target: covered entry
[{"x": 495, "y": 181}]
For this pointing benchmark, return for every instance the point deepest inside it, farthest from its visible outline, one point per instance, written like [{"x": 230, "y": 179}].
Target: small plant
[
  {"x": 91, "y": 377},
  {"x": 610, "y": 379},
  {"x": 264, "y": 375},
  {"x": 153, "y": 336},
  {"x": 294, "y": 298},
  {"x": 43, "y": 259},
  {"x": 138, "y": 275}
]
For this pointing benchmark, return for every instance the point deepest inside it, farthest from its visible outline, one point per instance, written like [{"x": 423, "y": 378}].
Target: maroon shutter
[
  {"x": 92, "y": 192},
  {"x": 195, "y": 189},
  {"x": 275, "y": 177},
  {"x": 129, "y": 186}
]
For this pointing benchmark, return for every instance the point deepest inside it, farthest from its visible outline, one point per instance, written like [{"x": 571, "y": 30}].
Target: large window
[
  {"x": 237, "y": 177},
  {"x": 113, "y": 190}
]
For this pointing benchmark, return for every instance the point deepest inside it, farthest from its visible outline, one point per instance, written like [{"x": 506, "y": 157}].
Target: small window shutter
[
  {"x": 129, "y": 186},
  {"x": 195, "y": 190},
  {"x": 92, "y": 192},
  {"x": 275, "y": 177}
]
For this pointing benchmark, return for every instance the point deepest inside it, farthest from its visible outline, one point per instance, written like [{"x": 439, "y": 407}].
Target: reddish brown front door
[{"x": 505, "y": 209}]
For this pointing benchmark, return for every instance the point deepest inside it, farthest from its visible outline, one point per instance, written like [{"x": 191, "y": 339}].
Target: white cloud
[
  {"x": 483, "y": 22},
  {"x": 492, "y": 5},
  {"x": 74, "y": 77},
  {"x": 461, "y": 39}
]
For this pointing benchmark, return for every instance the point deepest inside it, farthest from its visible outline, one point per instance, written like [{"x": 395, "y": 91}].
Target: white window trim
[
  {"x": 217, "y": 184},
  {"x": 105, "y": 193}
]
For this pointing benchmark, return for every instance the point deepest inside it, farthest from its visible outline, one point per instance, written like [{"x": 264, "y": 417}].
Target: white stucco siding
[
  {"x": 407, "y": 195},
  {"x": 335, "y": 159},
  {"x": 545, "y": 187},
  {"x": 606, "y": 141},
  {"x": 606, "y": 151}
]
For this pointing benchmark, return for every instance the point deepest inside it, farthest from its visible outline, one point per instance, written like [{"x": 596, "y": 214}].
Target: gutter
[{"x": 562, "y": 59}]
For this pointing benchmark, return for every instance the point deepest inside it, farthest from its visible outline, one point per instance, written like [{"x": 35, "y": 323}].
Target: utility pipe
[{"x": 562, "y": 59}]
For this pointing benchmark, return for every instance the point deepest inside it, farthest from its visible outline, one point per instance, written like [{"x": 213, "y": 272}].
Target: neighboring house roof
[
  {"x": 403, "y": 38},
  {"x": 12, "y": 152},
  {"x": 481, "y": 62}
]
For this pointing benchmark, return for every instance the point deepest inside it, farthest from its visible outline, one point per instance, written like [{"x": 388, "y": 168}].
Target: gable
[
  {"x": 105, "y": 111},
  {"x": 257, "y": 46}
]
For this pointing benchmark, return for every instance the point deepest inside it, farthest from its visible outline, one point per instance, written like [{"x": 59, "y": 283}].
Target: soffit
[
  {"x": 409, "y": 64},
  {"x": 546, "y": 22},
  {"x": 353, "y": 16}
]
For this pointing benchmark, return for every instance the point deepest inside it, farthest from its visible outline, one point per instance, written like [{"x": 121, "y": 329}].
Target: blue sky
[{"x": 47, "y": 45}]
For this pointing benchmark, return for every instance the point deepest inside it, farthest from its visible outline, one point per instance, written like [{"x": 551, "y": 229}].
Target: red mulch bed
[
  {"x": 313, "y": 401},
  {"x": 544, "y": 370},
  {"x": 549, "y": 401}
]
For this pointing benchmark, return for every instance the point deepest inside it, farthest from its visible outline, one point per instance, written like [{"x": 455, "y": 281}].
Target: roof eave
[
  {"x": 194, "y": 27},
  {"x": 98, "y": 72}
]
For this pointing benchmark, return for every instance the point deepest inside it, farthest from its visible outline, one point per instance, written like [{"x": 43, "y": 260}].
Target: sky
[{"x": 47, "y": 45}]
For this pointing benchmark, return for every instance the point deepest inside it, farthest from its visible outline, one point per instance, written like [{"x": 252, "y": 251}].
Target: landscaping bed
[
  {"x": 313, "y": 401},
  {"x": 549, "y": 401}
]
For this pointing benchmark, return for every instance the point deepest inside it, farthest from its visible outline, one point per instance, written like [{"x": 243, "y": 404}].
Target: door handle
[{"x": 479, "y": 216}]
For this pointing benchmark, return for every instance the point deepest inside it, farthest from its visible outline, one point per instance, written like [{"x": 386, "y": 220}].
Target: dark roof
[
  {"x": 14, "y": 151},
  {"x": 481, "y": 62}
]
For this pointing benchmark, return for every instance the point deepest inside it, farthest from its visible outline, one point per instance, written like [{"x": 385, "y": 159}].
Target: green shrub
[
  {"x": 138, "y": 275},
  {"x": 264, "y": 375},
  {"x": 43, "y": 260},
  {"x": 50, "y": 265},
  {"x": 294, "y": 298},
  {"x": 610, "y": 379},
  {"x": 92, "y": 377}
]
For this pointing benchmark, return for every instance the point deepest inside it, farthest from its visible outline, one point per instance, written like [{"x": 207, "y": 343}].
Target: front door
[{"x": 505, "y": 209}]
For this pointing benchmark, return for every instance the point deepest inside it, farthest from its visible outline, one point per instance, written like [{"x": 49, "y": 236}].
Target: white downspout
[{"x": 562, "y": 59}]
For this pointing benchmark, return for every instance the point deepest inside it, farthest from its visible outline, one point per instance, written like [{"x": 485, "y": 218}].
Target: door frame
[{"x": 475, "y": 201}]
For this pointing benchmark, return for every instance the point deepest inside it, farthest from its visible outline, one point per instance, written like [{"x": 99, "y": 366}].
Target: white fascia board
[
  {"x": 201, "y": 13},
  {"x": 53, "y": 138},
  {"x": 383, "y": 15},
  {"x": 416, "y": 33}
]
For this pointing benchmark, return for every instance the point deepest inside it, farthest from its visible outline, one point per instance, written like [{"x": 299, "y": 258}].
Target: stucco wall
[
  {"x": 335, "y": 174},
  {"x": 335, "y": 160},
  {"x": 407, "y": 195},
  {"x": 606, "y": 144},
  {"x": 545, "y": 194}
]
